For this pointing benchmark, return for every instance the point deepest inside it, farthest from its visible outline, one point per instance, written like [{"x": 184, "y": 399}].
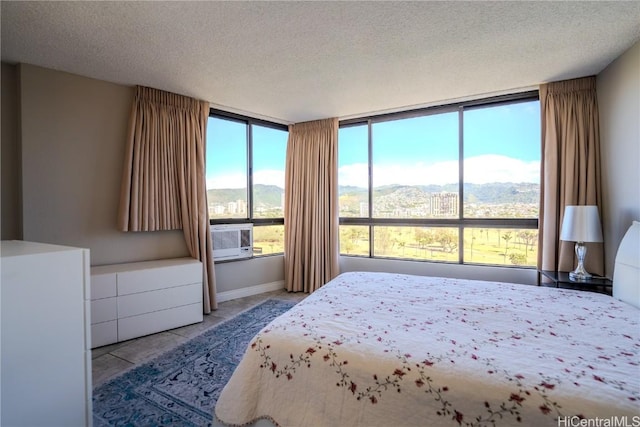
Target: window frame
[
  {"x": 248, "y": 122},
  {"x": 461, "y": 222}
]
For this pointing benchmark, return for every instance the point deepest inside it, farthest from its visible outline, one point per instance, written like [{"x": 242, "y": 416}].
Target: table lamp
[{"x": 581, "y": 224}]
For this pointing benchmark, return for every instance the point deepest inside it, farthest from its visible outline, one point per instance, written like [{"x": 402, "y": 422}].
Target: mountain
[
  {"x": 492, "y": 193},
  {"x": 269, "y": 196},
  {"x": 224, "y": 196},
  {"x": 499, "y": 192}
]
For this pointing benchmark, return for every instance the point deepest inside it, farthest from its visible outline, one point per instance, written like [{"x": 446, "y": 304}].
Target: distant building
[
  {"x": 215, "y": 209},
  {"x": 364, "y": 209},
  {"x": 242, "y": 206},
  {"x": 444, "y": 204}
]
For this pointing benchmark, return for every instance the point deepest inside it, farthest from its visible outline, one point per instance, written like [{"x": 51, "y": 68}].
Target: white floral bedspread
[{"x": 378, "y": 349}]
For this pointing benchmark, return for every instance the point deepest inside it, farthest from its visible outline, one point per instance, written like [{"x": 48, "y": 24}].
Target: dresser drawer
[
  {"x": 147, "y": 302},
  {"x": 103, "y": 285},
  {"x": 150, "y": 323},
  {"x": 130, "y": 282},
  {"x": 104, "y": 333},
  {"x": 103, "y": 310},
  {"x": 140, "y": 298}
]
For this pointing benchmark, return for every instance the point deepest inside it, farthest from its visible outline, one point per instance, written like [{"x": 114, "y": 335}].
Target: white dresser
[
  {"x": 46, "y": 356},
  {"x": 135, "y": 299}
]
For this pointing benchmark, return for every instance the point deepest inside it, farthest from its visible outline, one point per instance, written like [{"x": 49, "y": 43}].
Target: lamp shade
[{"x": 581, "y": 224}]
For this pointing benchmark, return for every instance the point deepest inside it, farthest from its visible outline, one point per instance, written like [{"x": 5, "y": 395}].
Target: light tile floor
[{"x": 111, "y": 360}]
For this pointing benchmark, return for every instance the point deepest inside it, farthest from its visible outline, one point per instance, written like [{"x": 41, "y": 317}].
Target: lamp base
[{"x": 579, "y": 276}]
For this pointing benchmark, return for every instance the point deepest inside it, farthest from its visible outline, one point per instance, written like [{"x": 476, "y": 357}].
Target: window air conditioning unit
[{"x": 232, "y": 241}]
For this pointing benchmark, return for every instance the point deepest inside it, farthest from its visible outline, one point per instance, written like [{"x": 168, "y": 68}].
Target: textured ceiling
[{"x": 298, "y": 61}]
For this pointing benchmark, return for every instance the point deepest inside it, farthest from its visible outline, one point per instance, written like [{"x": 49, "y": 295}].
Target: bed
[{"x": 382, "y": 349}]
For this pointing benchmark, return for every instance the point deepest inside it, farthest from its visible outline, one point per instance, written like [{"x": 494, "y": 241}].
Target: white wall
[
  {"x": 262, "y": 273},
  {"x": 618, "y": 88}
]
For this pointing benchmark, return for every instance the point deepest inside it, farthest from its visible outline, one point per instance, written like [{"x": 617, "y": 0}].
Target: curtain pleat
[
  {"x": 163, "y": 183},
  {"x": 570, "y": 169},
  {"x": 311, "y": 205}
]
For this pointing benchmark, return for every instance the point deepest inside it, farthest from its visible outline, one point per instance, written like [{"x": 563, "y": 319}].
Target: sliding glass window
[
  {"x": 414, "y": 167},
  {"x": 227, "y": 193},
  {"x": 245, "y": 176},
  {"x": 458, "y": 183}
]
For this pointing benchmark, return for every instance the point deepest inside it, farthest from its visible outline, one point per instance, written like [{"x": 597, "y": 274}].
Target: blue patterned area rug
[{"x": 181, "y": 387}]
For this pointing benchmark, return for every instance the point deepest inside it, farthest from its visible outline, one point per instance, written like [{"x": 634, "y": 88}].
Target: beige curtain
[
  {"x": 163, "y": 183},
  {"x": 570, "y": 169},
  {"x": 311, "y": 205}
]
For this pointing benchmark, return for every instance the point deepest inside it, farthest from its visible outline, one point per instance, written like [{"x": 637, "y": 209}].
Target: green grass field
[{"x": 481, "y": 245}]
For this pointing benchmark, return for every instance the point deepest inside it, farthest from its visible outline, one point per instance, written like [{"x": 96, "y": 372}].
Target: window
[
  {"x": 245, "y": 176},
  {"x": 412, "y": 158},
  {"x": 227, "y": 194},
  {"x": 458, "y": 183},
  {"x": 269, "y": 155},
  {"x": 502, "y": 161}
]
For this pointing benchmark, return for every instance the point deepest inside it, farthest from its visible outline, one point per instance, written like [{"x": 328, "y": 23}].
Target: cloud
[
  {"x": 239, "y": 180},
  {"x": 355, "y": 174},
  {"x": 269, "y": 177},
  {"x": 496, "y": 168},
  {"x": 478, "y": 170},
  {"x": 236, "y": 180}
]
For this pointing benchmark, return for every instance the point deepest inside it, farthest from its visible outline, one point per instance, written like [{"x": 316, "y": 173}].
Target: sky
[
  {"x": 501, "y": 144},
  {"x": 227, "y": 153}
]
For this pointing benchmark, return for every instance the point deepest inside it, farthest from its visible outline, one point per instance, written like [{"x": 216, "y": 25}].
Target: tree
[
  {"x": 473, "y": 239},
  {"x": 517, "y": 258},
  {"x": 354, "y": 234},
  {"x": 348, "y": 246},
  {"x": 423, "y": 237},
  {"x": 506, "y": 236},
  {"x": 530, "y": 240},
  {"x": 447, "y": 239},
  {"x": 383, "y": 238}
]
